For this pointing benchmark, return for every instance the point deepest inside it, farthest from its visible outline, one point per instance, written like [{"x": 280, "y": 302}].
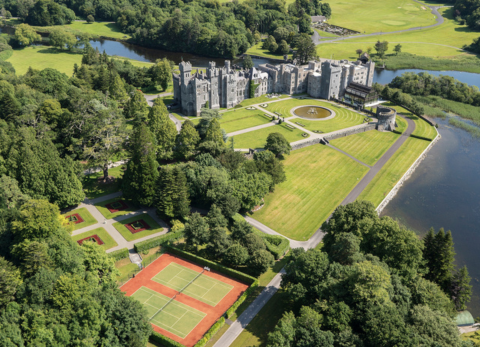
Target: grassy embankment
[
  {"x": 258, "y": 138},
  {"x": 318, "y": 179},
  {"x": 108, "y": 241},
  {"x": 88, "y": 219},
  {"x": 437, "y": 48},
  {"x": 129, "y": 236}
]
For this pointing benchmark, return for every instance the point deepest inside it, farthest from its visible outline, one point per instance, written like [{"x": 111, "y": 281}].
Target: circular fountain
[{"x": 313, "y": 112}]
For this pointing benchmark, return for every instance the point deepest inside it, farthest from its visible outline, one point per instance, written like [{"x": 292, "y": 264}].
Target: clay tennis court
[{"x": 184, "y": 317}]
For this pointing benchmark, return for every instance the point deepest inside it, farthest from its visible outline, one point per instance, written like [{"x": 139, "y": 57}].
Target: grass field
[
  {"x": 393, "y": 170},
  {"x": 318, "y": 179},
  {"x": 368, "y": 146},
  {"x": 259, "y": 51},
  {"x": 94, "y": 189},
  {"x": 203, "y": 288},
  {"x": 344, "y": 117},
  {"x": 443, "y": 41},
  {"x": 242, "y": 118},
  {"x": 108, "y": 241},
  {"x": 422, "y": 128},
  {"x": 374, "y": 16},
  {"x": 95, "y": 30},
  {"x": 261, "y": 99},
  {"x": 109, "y": 215},
  {"x": 129, "y": 236},
  {"x": 88, "y": 219},
  {"x": 177, "y": 318},
  {"x": 258, "y": 138}
]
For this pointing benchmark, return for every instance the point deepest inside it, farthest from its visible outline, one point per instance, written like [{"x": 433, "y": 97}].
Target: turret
[{"x": 185, "y": 72}]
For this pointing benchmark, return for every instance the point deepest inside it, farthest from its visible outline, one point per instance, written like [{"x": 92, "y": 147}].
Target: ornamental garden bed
[
  {"x": 115, "y": 207},
  {"x": 134, "y": 228},
  {"x": 107, "y": 241},
  {"x": 79, "y": 218}
]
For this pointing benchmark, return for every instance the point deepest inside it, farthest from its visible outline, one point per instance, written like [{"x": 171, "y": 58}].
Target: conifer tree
[
  {"x": 214, "y": 133},
  {"x": 137, "y": 108},
  {"x": 165, "y": 191},
  {"x": 439, "y": 255},
  {"x": 215, "y": 218},
  {"x": 180, "y": 197},
  {"x": 163, "y": 129},
  {"x": 187, "y": 140},
  {"x": 117, "y": 89},
  {"x": 460, "y": 288},
  {"x": 142, "y": 170}
]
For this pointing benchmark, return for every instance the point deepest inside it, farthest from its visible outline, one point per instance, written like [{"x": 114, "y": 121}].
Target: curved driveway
[
  {"x": 316, "y": 36},
  {"x": 246, "y": 317}
]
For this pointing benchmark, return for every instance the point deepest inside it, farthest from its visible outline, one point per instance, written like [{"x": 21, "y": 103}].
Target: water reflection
[{"x": 386, "y": 76}]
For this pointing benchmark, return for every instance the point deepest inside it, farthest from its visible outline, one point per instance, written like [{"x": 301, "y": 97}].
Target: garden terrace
[
  {"x": 103, "y": 207},
  {"x": 243, "y": 118},
  {"x": 93, "y": 238},
  {"x": 132, "y": 230},
  {"x": 100, "y": 234},
  {"x": 84, "y": 218}
]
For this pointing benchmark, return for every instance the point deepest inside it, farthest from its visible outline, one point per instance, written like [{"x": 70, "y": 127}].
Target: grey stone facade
[
  {"x": 225, "y": 87},
  {"x": 386, "y": 118}
]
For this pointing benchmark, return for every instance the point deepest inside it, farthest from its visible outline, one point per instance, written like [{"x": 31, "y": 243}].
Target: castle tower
[
  {"x": 227, "y": 66},
  {"x": 371, "y": 71},
  {"x": 185, "y": 72}
]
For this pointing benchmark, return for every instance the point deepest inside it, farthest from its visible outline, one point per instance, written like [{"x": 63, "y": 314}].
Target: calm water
[
  {"x": 444, "y": 191},
  {"x": 386, "y": 76}
]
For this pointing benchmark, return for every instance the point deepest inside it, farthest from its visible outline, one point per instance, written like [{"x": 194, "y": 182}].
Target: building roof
[
  {"x": 464, "y": 318},
  {"x": 360, "y": 87},
  {"x": 318, "y": 19}
]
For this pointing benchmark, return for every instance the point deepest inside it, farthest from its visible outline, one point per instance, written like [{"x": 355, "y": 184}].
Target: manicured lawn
[
  {"x": 422, "y": 128},
  {"x": 379, "y": 16},
  {"x": 261, "y": 99},
  {"x": 109, "y": 215},
  {"x": 94, "y": 189},
  {"x": 95, "y": 30},
  {"x": 431, "y": 42},
  {"x": 393, "y": 170},
  {"x": 126, "y": 267},
  {"x": 344, "y": 117},
  {"x": 242, "y": 118},
  {"x": 318, "y": 179},
  {"x": 88, "y": 219},
  {"x": 402, "y": 124},
  {"x": 368, "y": 146},
  {"x": 259, "y": 51},
  {"x": 109, "y": 242},
  {"x": 129, "y": 236},
  {"x": 325, "y": 34},
  {"x": 258, "y": 138}
]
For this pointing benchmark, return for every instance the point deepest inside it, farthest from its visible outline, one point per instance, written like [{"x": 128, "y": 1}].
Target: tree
[
  {"x": 305, "y": 49},
  {"x": 247, "y": 62},
  {"x": 398, "y": 49},
  {"x": 33, "y": 256},
  {"x": 235, "y": 255},
  {"x": 142, "y": 169},
  {"x": 165, "y": 189},
  {"x": 90, "y": 19},
  {"x": 269, "y": 42},
  {"x": 277, "y": 144},
  {"x": 439, "y": 254},
  {"x": 37, "y": 220},
  {"x": 359, "y": 52},
  {"x": 26, "y": 35},
  {"x": 229, "y": 205},
  {"x": 381, "y": 48},
  {"x": 273, "y": 47},
  {"x": 180, "y": 195},
  {"x": 99, "y": 263},
  {"x": 196, "y": 231},
  {"x": 326, "y": 9},
  {"x": 161, "y": 73},
  {"x": 10, "y": 193},
  {"x": 268, "y": 163},
  {"x": 214, "y": 133},
  {"x": 117, "y": 90},
  {"x": 215, "y": 218},
  {"x": 218, "y": 242},
  {"x": 163, "y": 129},
  {"x": 253, "y": 243},
  {"x": 137, "y": 108},
  {"x": 187, "y": 140},
  {"x": 60, "y": 38},
  {"x": 283, "y": 47},
  {"x": 460, "y": 288},
  {"x": 370, "y": 283},
  {"x": 260, "y": 261},
  {"x": 10, "y": 280},
  {"x": 345, "y": 249}
]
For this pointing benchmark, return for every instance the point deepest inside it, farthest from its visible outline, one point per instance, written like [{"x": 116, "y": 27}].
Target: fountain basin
[{"x": 313, "y": 112}]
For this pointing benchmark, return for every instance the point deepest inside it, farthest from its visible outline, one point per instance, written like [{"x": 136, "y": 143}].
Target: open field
[
  {"x": 94, "y": 189},
  {"x": 95, "y": 30},
  {"x": 325, "y": 34},
  {"x": 344, "y": 117},
  {"x": 318, "y": 179},
  {"x": 109, "y": 215},
  {"x": 379, "y": 16},
  {"x": 422, "y": 128},
  {"x": 444, "y": 41},
  {"x": 108, "y": 241},
  {"x": 239, "y": 119},
  {"x": 258, "y": 138},
  {"x": 129, "y": 236},
  {"x": 368, "y": 146},
  {"x": 261, "y": 99},
  {"x": 259, "y": 51},
  {"x": 42, "y": 57},
  {"x": 85, "y": 215},
  {"x": 393, "y": 170}
]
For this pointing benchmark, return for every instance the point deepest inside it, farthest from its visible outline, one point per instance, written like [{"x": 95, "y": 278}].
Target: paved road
[
  {"x": 316, "y": 38},
  {"x": 242, "y": 321}
]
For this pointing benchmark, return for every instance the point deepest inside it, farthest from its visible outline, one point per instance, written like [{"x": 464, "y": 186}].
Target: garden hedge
[
  {"x": 120, "y": 254},
  {"x": 211, "y": 332},
  {"x": 213, "y": 265},
  {"x": 164, "y": 341},
  {"x": 241, "y": 299},
  {"x": 159, "y": 240},
  {"x": 277, "y": 245}
]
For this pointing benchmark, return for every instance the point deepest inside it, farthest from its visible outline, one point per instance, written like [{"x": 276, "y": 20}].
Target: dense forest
[
  {"x": 203, "y": 27},
  {"x": 374, "y": 283}
]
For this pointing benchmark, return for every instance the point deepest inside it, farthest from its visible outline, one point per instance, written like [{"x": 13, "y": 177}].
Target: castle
[{"x": 226, "y": 87}]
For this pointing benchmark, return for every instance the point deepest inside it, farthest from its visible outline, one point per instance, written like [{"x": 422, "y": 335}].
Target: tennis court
[
  {"x": 198, "y": 286},
  {"x": 171, "y": 315}
]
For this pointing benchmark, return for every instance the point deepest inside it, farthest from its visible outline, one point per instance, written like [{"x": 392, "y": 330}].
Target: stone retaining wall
[
  {"x": 407, "y": 175},
  {"x": 310, "y": 142},
  {"x": 347, "y": 132}
]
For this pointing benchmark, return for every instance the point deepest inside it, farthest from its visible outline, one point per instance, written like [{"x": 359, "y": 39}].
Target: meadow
[
  {"x": 318, "y": 179},
  {"x": 258, "y": 138},
  {"x": 95, "y": 30}
]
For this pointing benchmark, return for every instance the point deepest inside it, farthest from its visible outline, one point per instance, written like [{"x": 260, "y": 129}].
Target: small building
[
  {"x": 318, "y": 19},
  {"x": 464, "y": 318},
  {"x": 360, "y": 93},
  {"x": 386, "y": 118}
]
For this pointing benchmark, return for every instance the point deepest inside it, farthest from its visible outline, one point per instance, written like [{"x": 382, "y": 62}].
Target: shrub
[
  {"x": 159, "y": 240},
  {"x": 277, "y": 245},
  {"x": 164, "y": 341},
  {"x": 177, "y": 225},
  {"x": 120, "y": 254},
  {"x": 211, "y": 332},
  {"x": 241, "y": 299}
]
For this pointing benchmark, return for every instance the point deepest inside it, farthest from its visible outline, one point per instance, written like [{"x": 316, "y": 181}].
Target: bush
[
  {"x": 158, "y": 241},
  {"x": 211, "y": 332},
  {"x": 164, "y": 341},
  {"x": 120, "y": 254},
  {"x": 213, "y": 265},
  {"x": 177, "y": 225},
  {"x": 277, "y": 245},
  {"x": 241, "y": 299}
]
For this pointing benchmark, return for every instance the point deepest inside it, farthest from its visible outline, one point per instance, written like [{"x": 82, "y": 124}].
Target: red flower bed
[
  {"x": 93, "y": 238},
  {"x": 74, "y": 218},
  {"x": 116, "y": 206},
  {"x": 137, "y": 226}
]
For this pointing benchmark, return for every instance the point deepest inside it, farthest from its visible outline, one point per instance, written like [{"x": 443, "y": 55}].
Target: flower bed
[
  {"x": 263, "y": 105},
  {"x": 137, "y": 226},
  {"x": 116, "y": 206},
  {"x": 74, "y": 218},
  {"x": 93, "y": 238}
]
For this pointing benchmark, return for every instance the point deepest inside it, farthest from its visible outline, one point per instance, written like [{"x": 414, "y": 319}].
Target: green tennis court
[
  {"x": 177, "y": 318},
  {"x": 206, "y": 289}
]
